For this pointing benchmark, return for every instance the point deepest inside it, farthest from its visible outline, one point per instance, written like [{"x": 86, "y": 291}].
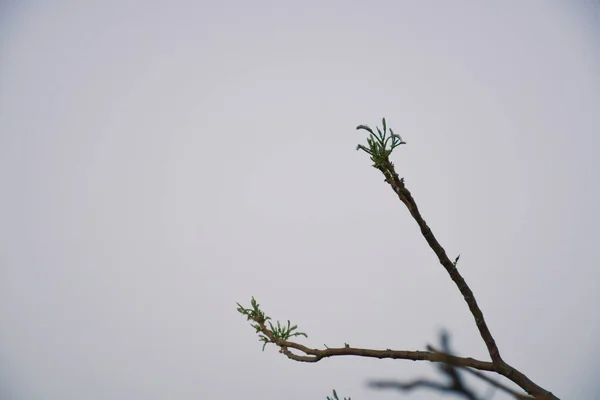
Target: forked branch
[{"x": 380, "y": 146}]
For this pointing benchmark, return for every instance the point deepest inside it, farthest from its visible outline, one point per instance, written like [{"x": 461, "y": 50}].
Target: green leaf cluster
[
  {"x": 279, "y": 331},
  {"x": 379, "y": 146}
]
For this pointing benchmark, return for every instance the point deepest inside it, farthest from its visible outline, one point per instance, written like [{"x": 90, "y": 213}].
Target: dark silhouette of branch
[
  {"x": 484, "y": 377},
  {"x": 501, "y": 367},
  {"x": 455, "y": 384},
  {"x": 405, "y": 196}
]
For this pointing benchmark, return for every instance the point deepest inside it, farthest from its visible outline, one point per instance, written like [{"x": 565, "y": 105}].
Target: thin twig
[
  {"x": 397, "y": 184},
  {"x": 405, "y": 196}
]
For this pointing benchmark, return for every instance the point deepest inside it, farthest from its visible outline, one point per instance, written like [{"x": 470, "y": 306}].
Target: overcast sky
[{"x": 161, "y": 161}]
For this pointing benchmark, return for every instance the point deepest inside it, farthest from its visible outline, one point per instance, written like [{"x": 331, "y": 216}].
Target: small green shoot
[
  {"x": 279, "y": 331},
  {"x": 378, "y": 143}
]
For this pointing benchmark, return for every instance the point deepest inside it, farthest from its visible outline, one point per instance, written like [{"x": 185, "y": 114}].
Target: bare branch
[
  {"x": 397, "y": 184},
  {"x": 501, "y": 367},
  {"x": 419, "y": 383},
  {"x": 455, "y": 382},
  {"x": 449, "y": 368}
]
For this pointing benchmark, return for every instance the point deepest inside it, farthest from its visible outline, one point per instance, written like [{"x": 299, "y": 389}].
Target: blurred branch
[
  {"x": 335, "y": 397},
  {"x": 455, "y": 382}
]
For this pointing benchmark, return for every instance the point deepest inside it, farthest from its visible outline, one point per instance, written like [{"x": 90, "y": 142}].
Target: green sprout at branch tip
[
  {"x": 378, "y": 143},
  {"x": 272, "y": 334}
]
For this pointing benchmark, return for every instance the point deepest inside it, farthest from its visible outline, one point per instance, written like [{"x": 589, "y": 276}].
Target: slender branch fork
[{"x": 279, "y": 335}]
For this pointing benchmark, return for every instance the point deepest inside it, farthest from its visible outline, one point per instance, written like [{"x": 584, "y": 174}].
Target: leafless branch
[
  {"x": 499, "y": 365},
  {"x": 455, "y": 383}
]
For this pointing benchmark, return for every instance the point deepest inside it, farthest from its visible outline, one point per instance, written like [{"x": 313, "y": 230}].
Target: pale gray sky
[{"x": 161, "y": 161}]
